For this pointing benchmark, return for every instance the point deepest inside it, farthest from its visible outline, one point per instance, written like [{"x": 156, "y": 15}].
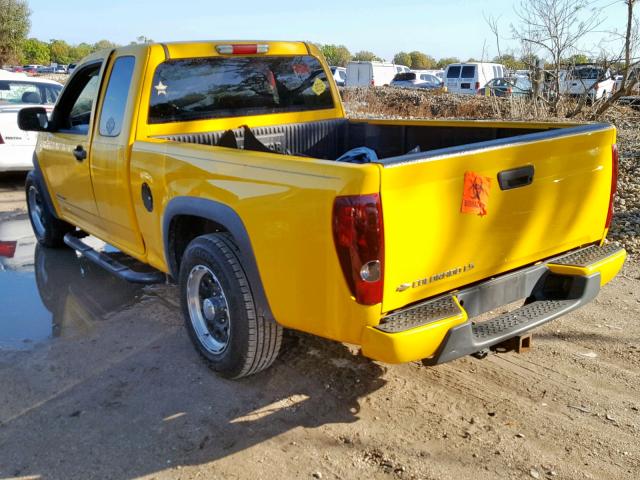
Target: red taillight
[
  {"x": 7, "y": 249},
  {"x": 614, "y": 183},
  {"x": 359, "y": 237},
  {"x": 373, "y": 82},
  {"x": 477, "y": 85},
  {"x": 242, "y": 49}
]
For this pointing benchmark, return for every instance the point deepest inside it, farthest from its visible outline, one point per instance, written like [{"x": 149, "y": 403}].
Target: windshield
[
  {"x": 202, "y": 88},
  {"x": 19, "y": 92}
]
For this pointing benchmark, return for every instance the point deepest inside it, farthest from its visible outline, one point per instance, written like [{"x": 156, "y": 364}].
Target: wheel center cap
[{"x": 209, "y": 309}]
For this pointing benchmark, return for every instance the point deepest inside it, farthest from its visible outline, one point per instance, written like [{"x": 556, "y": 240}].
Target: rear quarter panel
[{"x": 285, "y": 203}]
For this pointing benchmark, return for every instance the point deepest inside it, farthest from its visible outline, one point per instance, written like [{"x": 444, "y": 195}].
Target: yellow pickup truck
[{"x": 231, "y": 169}]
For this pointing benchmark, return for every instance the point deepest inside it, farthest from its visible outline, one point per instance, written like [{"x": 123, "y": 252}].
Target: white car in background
[
  {"x": 339, "y": 75},
  {"x": 416, "y": 79},
  {"x": 17, "y": 244},
  {"x": 16, "y": 92}
]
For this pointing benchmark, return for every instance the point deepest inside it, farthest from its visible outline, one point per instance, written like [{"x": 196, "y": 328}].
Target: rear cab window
[{"x": 218, "y": 87}]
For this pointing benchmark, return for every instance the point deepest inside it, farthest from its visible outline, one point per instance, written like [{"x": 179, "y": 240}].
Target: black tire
[
  {"x": 48, "y": 229},
  {"x": 227, "y": 331}
]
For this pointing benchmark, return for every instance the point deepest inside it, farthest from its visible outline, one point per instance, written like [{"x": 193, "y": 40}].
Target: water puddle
[{"x": 47, "y": 293}]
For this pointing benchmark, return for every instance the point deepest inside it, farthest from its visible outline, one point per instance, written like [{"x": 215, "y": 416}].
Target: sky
[{"x": 440, "y": 28}]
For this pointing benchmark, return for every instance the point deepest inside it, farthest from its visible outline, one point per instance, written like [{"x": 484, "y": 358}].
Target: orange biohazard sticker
[{"x": 475, "y": 196}]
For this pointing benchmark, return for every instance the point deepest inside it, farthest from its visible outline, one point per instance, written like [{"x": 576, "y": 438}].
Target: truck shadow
[{"x": 147, "y": 406}]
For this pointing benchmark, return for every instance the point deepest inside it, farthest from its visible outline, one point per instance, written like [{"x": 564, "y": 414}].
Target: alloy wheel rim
[{"x": 208, "y": 309}]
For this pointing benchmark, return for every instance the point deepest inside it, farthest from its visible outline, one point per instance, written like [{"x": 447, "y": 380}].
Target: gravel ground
[
  {"x": 118, "y": 392},
  {"x": 404, "y": 103}
]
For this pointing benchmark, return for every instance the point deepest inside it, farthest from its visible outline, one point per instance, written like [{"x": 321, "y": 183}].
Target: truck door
[
  {"x": 65, "y": 154},
  {"x": 114, "y": 133}
]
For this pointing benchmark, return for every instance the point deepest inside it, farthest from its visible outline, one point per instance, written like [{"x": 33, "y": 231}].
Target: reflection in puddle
[{"x": 51, "y": 292}]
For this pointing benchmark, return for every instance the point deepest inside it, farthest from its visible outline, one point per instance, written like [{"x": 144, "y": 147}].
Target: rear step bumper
[
  {"x": 443, "y": 329},
  {"x": 112, "y": 265}
]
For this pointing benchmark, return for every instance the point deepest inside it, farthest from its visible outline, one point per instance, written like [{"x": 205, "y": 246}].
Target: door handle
[
  {"x": 516, "y": 177},
  {"x": 80, "y": 153}
]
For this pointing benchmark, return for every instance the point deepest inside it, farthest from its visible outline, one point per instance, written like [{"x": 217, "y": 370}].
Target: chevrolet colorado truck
[{"x": 231, "y": 169}]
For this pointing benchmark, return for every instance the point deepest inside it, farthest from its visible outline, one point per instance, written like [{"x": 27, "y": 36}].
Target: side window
[
  {"x": 80, "y": 115},
  {"x": 73, "y": 111},
  {"x": 115, "y": 100}
]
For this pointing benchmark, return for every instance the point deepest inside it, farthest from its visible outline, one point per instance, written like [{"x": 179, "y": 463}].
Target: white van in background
[
  {"x": 366, "y": 74},
  {"x": 467, "y": 78}
]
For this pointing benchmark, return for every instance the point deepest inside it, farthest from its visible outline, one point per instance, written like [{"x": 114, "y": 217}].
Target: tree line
[
  {"x": 339, "y": 56},
  {"x": 17, "y": 49}
]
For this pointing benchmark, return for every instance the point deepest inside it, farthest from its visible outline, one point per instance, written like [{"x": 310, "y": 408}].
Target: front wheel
[
  {"x": 219, "y": 309},
  {"x": 48, "y": 229}
]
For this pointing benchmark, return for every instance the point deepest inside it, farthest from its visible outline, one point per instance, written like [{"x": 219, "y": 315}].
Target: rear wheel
[
  {"x": 219, "y": 309},
  {"x": 48, "y": 229}
]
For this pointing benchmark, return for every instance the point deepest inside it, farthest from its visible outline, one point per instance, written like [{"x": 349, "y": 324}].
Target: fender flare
[
  {"x": 37, "y": 175},
  {"x": 228, "y": 218}
]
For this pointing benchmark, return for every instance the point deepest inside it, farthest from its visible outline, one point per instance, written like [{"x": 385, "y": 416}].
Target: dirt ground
[{"x": 118, "y": 392}]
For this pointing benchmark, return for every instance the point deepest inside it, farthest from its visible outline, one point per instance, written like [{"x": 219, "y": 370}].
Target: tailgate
[{"x": 431, "y": 246}]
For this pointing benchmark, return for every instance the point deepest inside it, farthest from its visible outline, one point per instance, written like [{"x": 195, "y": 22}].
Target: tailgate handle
[{"x": 516, "y": 177}]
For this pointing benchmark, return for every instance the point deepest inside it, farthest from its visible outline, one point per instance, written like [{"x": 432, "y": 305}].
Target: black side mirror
[{"x": 33, "y": 119}]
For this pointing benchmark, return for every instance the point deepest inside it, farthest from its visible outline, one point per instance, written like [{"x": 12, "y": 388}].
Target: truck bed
[{"x": 328, "y": 139}]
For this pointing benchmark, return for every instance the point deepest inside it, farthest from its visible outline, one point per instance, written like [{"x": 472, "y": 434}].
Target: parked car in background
[
  {"x": 435, "y": 73},
  {"x": 367, "y": 74},
  {"x": 617, "y": 82},
  {"x": 18, "y": 91},
  {"x": 31, "y": 69},
  {"x": 634, "y": 80},
  {"x": 416, "y": 80},
  {"x": 339, "y": 75},
  {"x": 507, "y": 87},
  {"x": 60, "y": 69},
  {"x": 43, "y": 69},
  {"x": 466, "y": 78},
  {"x": 71, "y": 68},
  {"x": 17, "y": 244},
  {"x": 592, "y": 80},
  {"x": 402, "y": 69}
]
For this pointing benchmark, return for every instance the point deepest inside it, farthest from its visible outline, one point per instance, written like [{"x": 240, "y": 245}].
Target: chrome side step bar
[{"x": 112, "y": 265}]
